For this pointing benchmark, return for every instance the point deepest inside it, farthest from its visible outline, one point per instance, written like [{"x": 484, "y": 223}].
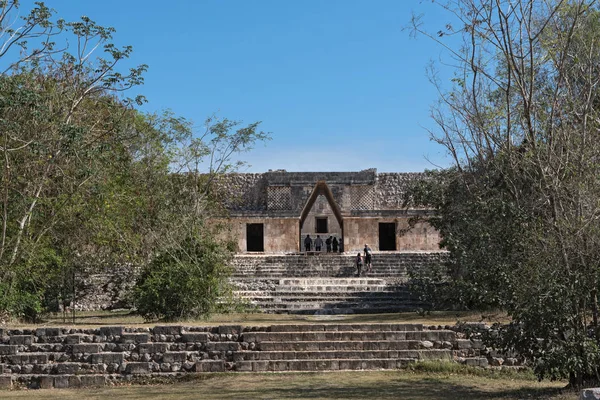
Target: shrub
[{"x": 184, "y": 281}]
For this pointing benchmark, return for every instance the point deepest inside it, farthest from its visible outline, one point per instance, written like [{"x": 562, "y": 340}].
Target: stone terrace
[
  {"x": 61, "y": 357},
  {"x": 326, "y": 283}
]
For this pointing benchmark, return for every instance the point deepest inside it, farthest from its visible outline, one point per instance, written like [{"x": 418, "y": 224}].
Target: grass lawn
[
  {"x": 103, "y": 318},
  {"x": 372, "y": 385}
]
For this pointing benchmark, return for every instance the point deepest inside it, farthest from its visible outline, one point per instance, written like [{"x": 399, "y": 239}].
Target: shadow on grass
[
  {"x": 368, "y": 385},
  {"x": 428, "y": 389}
]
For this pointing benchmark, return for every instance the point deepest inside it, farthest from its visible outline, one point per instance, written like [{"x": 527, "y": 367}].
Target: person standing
[
  {"x": 359, "y": 263},
  {"x": 368, "y": 257},
  {"x": 318, "y": 243},
  {"x": 335, "y": 245},
  {"x": 307, "y": 243},
  {"x": 328, "y": 244}
]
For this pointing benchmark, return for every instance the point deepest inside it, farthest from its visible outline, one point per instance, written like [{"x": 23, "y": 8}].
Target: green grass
[{"x": 431, "y": 381}]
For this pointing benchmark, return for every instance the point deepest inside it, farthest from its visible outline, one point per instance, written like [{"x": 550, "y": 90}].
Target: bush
[{"x": 184, "y": 281}]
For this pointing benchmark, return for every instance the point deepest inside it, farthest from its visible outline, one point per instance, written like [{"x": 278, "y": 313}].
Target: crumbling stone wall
[
  {"x": 391, "y": 188},
  {"x": 66, "y": 357},
  {"x": 242, "y": 192}
]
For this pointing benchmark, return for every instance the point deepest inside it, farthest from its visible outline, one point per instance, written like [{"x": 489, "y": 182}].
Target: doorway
[
  {"x": 387, "y": 236},
  {"x": 321, "y": 223},
  {"x": 255, "y": 237}
]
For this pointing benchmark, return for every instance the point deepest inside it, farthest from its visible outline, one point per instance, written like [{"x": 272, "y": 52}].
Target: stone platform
[
  {"x": 62, "y": 357},
  {"x": 326, "y": 283}
]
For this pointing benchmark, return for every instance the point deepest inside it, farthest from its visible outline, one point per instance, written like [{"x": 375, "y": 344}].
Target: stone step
[
  {"x": 322, "y": 365},
  {"x": 334, "y": 298},
  {"x": 306, "y": 305},
  {"x": 439, "y": 335},
  {"x": 433, "y": 354},
  {"x": 331, "y": 281},
  {"x": 345, "y": 327},
  {"x": 341, "y": 345},
  {"x": 343, "y": 311}
]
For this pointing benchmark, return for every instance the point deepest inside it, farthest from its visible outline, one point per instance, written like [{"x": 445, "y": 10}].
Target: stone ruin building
[
  {"x": 270, "y": 214},
  {"x": 273, "y": 212}
]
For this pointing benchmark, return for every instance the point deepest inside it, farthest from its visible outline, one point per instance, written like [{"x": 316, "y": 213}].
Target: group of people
[
  {"x": 368, "y": 259},
  {"x": 331, "y": 244}
]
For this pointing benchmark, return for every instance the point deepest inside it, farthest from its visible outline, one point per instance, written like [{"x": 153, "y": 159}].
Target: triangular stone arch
[{"x": 322, "y": 188}]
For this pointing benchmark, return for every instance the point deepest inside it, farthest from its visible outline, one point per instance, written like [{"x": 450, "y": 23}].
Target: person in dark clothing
[
  {"x": 318, "y": 243},
  {"x": 335, "y": 245},
  {"x": 359, "y": 264},
  {"x": 328, "y": 244},
  {"x": 307, "y": 243},
  {"x": 368, "y": 258}
]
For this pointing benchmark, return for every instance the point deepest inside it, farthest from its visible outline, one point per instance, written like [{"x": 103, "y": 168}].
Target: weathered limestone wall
[
  {"x": 280, "y": 234},
  {"x": 289, "y": 191},
  {"x": 243, "y": 192},
  {"x": 359, "y": 231},
  {"x": 391, "y": 187}
]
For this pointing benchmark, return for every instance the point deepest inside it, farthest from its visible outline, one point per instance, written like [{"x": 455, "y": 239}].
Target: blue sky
[{"x": 338, "y": 83}]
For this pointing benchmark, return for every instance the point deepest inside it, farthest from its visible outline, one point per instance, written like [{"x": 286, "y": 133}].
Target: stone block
[
  {"x": 76, "y": 381},
  {"x": 138, "y": 368},
  {"x": 242, "y": 366},
  {"x": 349, "y": 364},
  {"x": 249, "y": 337},
  {"x": 92, "y": 380},
  {"x": 327, "y": 365},
  {"x": 135, "y": 338},
  {"x": 61, "y": 382},
  {"x": 260, "y": 366},
  {"x": 67, "y": 369},
  {"x": 5, "y": 382},
  {"x": 28, "y": 358},
  {"x": 87, "y": 348},
  {"x": 153, "y": 348},
  {"x": 111, "y": 330},
  {"x": 21, "y": 340},
  {"x": 167, "y": 330},
  {"x": 462, "y": 344},
  {"x": 212, "y": 366},
  {"x": 46, "y": 382},
  {"x": 108, "y": 358},
  {"x": 175, "y": 356},
  {"x": 200, "y": 337},
  {"x": 280, "y": 365},
  {"x": 73, "y": 339},
  {"x": 39, "y": 332},
  {"x": 230, "y": 329},
  {"x": 223, "y": 346},
  {"x": 6, "y": 349}
]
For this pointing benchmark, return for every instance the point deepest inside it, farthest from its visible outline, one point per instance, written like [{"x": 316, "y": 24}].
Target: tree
[
  {"x": 86, "y": 180},
  {"x": 187, "y": 277},
  {"x": 520, "y": 213}
]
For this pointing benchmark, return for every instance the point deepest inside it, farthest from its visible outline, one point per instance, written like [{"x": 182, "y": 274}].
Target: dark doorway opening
[
  {"x": 387, "y": 236},
  {"x": 255, "y": 237},
  {"x": 321, "y": 223}
]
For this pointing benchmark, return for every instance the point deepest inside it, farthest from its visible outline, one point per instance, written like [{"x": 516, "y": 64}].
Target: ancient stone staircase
[
  {"x": 326, "y": 283},
  {"x": 342, "y": 347},
  {"x": 66, "y": 357}
]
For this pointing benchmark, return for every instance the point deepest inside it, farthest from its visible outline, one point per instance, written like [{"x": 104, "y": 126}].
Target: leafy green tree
[{"x": 519, "y": 212}]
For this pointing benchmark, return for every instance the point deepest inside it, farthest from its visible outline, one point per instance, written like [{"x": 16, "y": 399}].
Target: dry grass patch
[
  {"x": 370, "y": 385},
  {"x": 91, "y": 319}
]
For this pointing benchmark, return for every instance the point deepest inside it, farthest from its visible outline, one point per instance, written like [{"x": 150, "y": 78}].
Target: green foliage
[
  {"x": 519, "y": 209},
  {"x": 86, "y": 181},
  {"x": 185, "y": 281}
]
